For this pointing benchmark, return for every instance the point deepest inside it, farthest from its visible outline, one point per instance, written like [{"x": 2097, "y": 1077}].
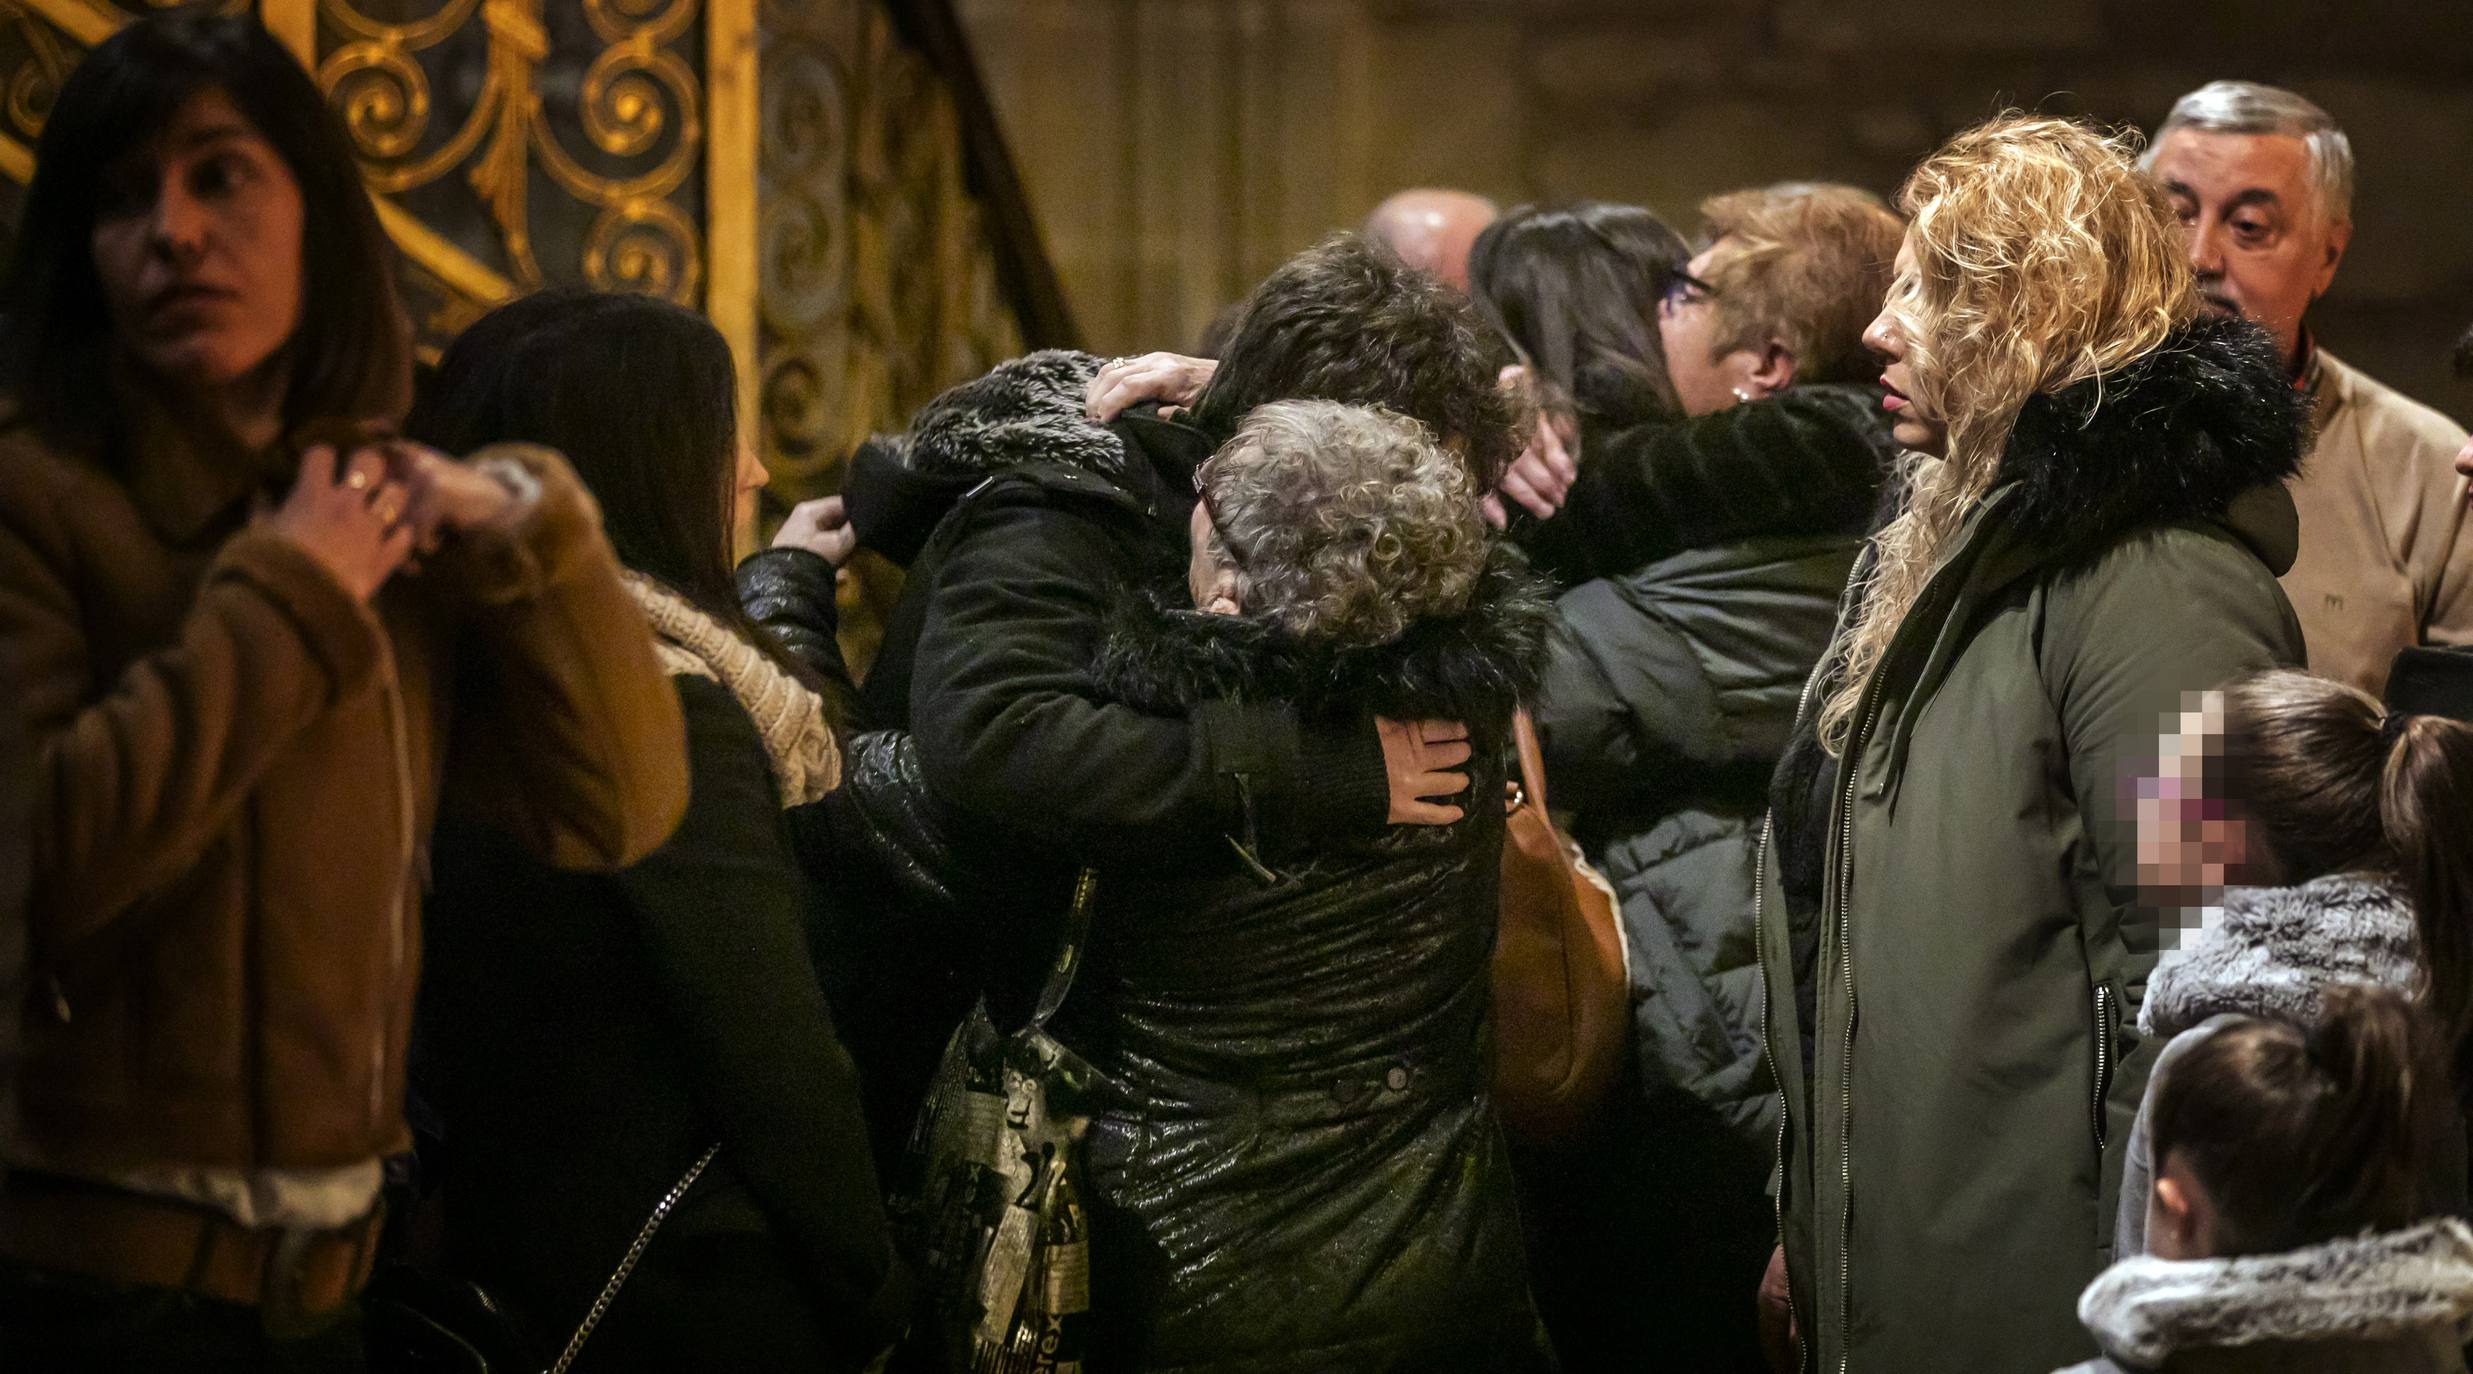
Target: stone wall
[{"x": 1177, "y": 149}]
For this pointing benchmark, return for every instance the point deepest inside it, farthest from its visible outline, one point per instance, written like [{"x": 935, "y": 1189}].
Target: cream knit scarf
[{"x": 787, "y": 713}]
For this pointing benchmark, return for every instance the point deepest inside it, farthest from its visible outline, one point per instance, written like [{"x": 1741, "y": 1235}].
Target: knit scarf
[{"x": 788, "y": 715}]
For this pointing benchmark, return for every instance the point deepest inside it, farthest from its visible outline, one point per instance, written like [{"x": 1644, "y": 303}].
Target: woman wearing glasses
[{"x": 1708, "y": 534}]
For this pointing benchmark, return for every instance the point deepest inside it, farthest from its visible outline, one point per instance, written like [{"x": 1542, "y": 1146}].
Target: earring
[{"x": 1744, "y": 397}]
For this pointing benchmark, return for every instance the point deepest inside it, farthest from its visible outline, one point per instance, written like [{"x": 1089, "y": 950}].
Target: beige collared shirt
[{"x": 2385, "y": 562}]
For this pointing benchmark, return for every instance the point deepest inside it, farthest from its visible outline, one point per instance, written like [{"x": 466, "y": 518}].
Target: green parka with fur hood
[{"x": 1951, "y": 942}]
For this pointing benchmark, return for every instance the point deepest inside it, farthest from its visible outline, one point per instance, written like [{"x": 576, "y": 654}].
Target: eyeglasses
[{"x": 1682, "y": 289}]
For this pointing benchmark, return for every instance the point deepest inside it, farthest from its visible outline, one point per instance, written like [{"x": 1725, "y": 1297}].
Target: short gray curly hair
[{"x": 1343, "y": 522}]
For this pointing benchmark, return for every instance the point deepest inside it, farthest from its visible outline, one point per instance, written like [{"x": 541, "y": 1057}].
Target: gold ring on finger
[{"x": 388, "y": 510}]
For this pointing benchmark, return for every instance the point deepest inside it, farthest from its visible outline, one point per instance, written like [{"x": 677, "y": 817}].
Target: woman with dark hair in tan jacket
[{"x": 262, "y": 644}]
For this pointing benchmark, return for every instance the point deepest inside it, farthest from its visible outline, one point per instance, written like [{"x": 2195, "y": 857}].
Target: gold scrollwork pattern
[
  {"x": 877, "y": 288},
  {"x": 636, "y": 119}
]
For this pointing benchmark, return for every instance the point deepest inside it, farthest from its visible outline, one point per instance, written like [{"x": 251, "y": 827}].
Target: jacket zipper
[
  {"x": 391, "y": 690},
  {"x": 2103, "y": 1062},
  {"x": 1853, "y": 764},
  {"x": 1760, "y": 954}
]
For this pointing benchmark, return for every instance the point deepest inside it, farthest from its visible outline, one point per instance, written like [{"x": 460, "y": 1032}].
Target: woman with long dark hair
[
  {"x": 1576, "y": 290},
  {"x": 1708, "y": 553},
  {"x": 587, "y": 1037},
  {"x": 247, "y": 703}
]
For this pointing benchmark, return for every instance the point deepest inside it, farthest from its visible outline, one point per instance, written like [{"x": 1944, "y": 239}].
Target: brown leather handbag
[{"x": 1562, "y": 1002}]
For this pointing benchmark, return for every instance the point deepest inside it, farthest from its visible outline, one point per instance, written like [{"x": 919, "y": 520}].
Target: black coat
[
  {"x": 16, "y": 839},
  {"x": 584, "y": 1037},
  {"x": 1295, "y": 1163},
  {"x": 1018, "y": 766}
]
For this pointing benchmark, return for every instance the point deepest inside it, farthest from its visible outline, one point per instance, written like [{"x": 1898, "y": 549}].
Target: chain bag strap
[{"x": 626, "y": 1266}]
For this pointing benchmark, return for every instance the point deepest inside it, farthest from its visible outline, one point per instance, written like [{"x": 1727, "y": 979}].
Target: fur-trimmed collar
[
  {"x": 1027, "y": 411},
  {"x": 1470, "y": 667},
  {"x": 2275, "y": 949},
  {"x": 2174, "y": 436},
  {"x": 2372, "y": 1288}
]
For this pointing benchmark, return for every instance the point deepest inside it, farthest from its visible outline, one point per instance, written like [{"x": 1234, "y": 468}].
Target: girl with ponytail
[
  {"x": 2317, "y": 830},
  {"x": 2313, "y": 829},
  {"x": 2286, "y": 1214}
]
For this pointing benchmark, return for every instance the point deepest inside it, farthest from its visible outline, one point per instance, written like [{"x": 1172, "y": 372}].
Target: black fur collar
[
  {"x": 1475, "y": 666},
  {"x": 2174, "y": 436}
]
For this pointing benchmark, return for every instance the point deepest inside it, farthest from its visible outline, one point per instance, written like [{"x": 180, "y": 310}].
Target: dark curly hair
[{"x": 1347, "y": 321}]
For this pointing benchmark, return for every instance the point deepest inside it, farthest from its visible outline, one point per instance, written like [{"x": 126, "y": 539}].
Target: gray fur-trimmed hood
[
  {"x": 1474, "y": 666},
  {"x": 2275, "y": 949},
  {"x": 2373, "y": 1288},
  {"x": 1024, "y": 412}
]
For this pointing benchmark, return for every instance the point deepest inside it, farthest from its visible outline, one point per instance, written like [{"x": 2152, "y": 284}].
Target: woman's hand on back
[
  {"x": 1172, "y": 379},
  {"x": 352, "y": 523},
  {"x": 1424, "y": 759},
  {"x": 1542, "y": 475}
]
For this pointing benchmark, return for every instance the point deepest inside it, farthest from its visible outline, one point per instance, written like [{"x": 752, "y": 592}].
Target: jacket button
[{"x": 1397, "y": 1079}]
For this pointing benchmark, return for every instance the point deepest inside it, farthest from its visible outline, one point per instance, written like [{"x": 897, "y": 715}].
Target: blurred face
[
  {"x": 1910, "y": 425},
  {"x": 749, "y": 478},
  {"x": 197, "y": 244},
  {"x": 2258, "y": 241},
  {"x": 1705, "y": 380},
  {"x": 2190, "y": 841}
]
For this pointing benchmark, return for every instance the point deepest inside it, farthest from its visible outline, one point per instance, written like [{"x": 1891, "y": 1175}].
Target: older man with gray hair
[{"x": 2263, "y": 182}]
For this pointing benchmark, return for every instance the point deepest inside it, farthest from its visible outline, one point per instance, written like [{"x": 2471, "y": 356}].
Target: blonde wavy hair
[
  {"x": 1343, "y": 522},
  {"x": 2042, "y": 259}
]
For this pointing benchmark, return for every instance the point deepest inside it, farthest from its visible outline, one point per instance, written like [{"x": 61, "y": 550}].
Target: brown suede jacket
[{"x": 237, "y": 768}]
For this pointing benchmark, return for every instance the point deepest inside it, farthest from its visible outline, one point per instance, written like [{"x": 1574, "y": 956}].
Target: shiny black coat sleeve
[
  {"x": 1807, "y": 461},
  {"x": 1012, "y": 726},
  {"x": 790, "y": 592}
]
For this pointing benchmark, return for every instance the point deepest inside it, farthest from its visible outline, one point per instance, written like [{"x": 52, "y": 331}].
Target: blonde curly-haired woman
[
  {"x": 2094, "y": 517},
  {"x": 1294, "y": 1163}
]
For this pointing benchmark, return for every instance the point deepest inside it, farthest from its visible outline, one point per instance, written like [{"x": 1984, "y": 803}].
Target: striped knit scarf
[{"x": 788, "y": 715}]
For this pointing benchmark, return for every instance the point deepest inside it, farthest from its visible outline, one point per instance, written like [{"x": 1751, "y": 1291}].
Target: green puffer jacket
[
  {"x": 1953, "y": 1152},
  {"x": 1670, "y": 690},
  {"x": 1668, "y": 698}
]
